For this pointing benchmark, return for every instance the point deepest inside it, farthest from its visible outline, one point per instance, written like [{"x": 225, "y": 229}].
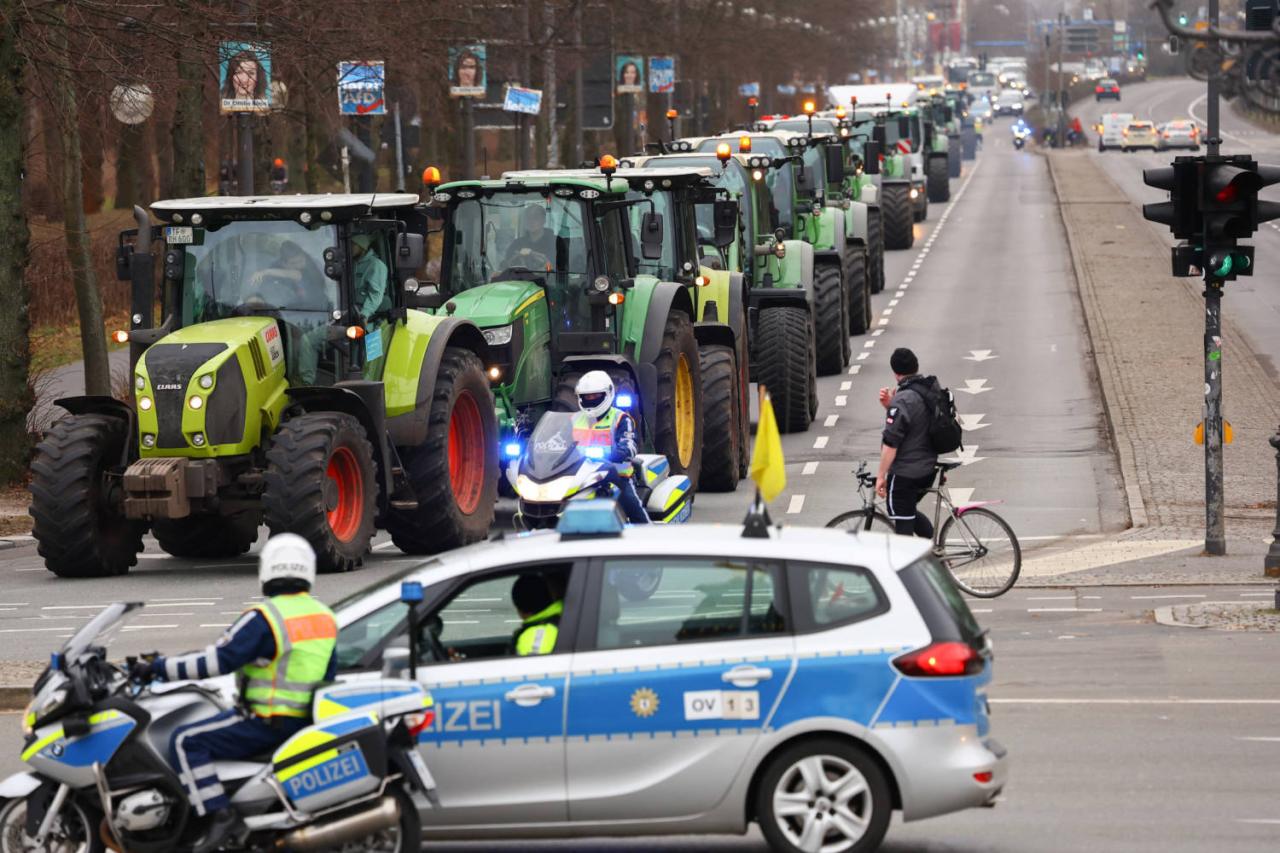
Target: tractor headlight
[
  {"x": 206, "y": 381},
  {"x": 498, "y": 336},
  {"x": 196, "y": 401},
  {"x": 139, "y": 382},
  {"x": 144, "y": 403},
  {"x": 780, "y": 250}
]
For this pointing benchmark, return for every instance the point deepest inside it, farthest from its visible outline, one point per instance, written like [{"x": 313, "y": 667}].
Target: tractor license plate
[{"x": 181, "y": 235}]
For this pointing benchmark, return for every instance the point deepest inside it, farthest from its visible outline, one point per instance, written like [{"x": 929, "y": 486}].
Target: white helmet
[
  {"x": 287, "y": 556},
  {"x": 595, "y": 393}
]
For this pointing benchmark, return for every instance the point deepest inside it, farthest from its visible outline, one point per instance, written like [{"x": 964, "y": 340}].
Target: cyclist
[{"x": 907, "y": 458}]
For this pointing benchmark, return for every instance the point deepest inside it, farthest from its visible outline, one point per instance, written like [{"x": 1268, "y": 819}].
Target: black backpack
[{"x": 945, "y": 434}]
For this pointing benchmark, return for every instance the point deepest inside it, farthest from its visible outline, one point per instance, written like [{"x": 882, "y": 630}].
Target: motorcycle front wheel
[
  {"x": 405, "y": 837},
  {"x": 76, "y": 830}
]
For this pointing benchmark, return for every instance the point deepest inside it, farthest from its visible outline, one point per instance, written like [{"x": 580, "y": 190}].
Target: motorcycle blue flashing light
[
  {"x": 511, "y": 450},
  {"x": 593, "y": 452},
  {"x": 623, "y": 401},
  {"x": 55, "y": 661}
]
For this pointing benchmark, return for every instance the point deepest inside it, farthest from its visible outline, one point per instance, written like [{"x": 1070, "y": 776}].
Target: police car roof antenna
[{"x": 756, "y": 524}]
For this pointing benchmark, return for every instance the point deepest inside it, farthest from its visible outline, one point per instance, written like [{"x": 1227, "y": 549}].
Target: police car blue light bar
[{"x": 595, "y": 517}]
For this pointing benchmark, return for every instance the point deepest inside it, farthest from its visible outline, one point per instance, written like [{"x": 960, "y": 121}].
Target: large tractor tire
[
  {"x": 785, "y": 364},
  {"x": 921, "y": 213},
  {"x": 895, "y": 203},
  {"x": 453, "y": 473},
  {"x": 830, "y": 319},
  {"x": 207, "y": 537},
  {"x": 679, "y": 430},
  {"x": 322, "y": 484},
  {"x": 939, "y": 178},
  {"x": 722, "y": 450},
  {"x": 80, "y": 528},
  {"x": 859, "y": 293},
  {"x": 875, "y": 248},
  {"x": 955, "y": 165}
]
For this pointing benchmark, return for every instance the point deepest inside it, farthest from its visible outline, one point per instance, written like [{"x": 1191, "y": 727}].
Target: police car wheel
[{"x": 823, "y": 794}]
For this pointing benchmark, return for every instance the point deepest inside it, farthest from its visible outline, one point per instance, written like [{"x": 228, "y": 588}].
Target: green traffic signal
[{"x": 1182, "y": 19}]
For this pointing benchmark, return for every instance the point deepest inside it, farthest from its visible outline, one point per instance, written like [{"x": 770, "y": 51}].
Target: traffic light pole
[
  {"x": 1212, "y": 102},
  {"x": 1215, "y": 536}
]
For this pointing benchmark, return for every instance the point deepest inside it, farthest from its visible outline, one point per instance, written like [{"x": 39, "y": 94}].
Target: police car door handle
[
  {"x": 746, "y": 676},
  {"x": 528, "y": 695}
]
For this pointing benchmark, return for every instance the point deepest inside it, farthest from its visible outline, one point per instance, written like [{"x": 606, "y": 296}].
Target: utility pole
[
  {"x": 1215, "y": 536},
  {"x": 468, "y": 139},
  {"x": 550, "y": 96},
  {"x": 244, "y": 128},
  {"x": 1057, "y": 95},
  {"x": 579, "y": 103}
]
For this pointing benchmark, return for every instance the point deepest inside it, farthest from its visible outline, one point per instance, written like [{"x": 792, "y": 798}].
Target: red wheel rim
[
  {"x": 467, "y": 458},
  {"x": 344, "y": 471}
]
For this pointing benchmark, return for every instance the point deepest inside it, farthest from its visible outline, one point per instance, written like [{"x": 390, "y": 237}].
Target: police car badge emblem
[{"x": 644, "y": 702}]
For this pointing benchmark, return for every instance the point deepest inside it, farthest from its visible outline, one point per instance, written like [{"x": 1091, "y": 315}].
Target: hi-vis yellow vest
[
  {"x": 306, "y": 634},
  {"x": 598, "y": 434}
]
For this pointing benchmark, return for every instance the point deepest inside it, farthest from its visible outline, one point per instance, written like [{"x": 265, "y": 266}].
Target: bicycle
[{"x": 977, "y": 547}]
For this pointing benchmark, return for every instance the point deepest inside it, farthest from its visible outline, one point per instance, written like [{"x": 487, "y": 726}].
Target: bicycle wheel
[
  {"x": 862, "y": 519},
  {"x": 981, "y": 553}
]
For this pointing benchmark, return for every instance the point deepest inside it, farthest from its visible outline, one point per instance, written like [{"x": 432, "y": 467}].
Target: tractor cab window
[
  {"x": 664, "y": 268},
  {"x": 815, "y": 166},
  {"x": 781, "y": 182},
  {"x": 732, "y": 177},
  {"x": 265, "y": 268},
  {"x": 614, "y": 236}
]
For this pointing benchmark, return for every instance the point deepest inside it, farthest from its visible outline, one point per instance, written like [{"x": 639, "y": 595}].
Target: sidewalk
[{"x": 1147, "y": 331}]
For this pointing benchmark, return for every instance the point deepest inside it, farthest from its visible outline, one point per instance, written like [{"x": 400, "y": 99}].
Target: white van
[{"x": 1113, "y": 125}]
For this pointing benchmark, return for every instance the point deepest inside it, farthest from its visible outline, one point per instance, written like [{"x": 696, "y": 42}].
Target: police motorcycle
[
  {"x": 553, "y": 469},
  {"x": 1021, "y": 133},
  {"x": 98, "y": 743}
]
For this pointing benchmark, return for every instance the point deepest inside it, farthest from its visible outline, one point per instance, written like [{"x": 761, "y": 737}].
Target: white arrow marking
[
  {"x": 960, "y": 497},
  {"x": 972, "y": 423},
  {"x": 980, "y": 355},
  {"x": 967, "y": 456},
  {"x": 975, "y": 386}
]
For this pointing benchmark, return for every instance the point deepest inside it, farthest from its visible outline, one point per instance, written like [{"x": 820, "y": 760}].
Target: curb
[
  {"x": 13, "y": 697},
  {"x": 1164, "y": 616},
  {"x": 1106, "y": 373}
]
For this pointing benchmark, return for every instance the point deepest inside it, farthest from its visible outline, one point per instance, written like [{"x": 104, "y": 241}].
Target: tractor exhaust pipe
[{"x": 383, "y": 815}]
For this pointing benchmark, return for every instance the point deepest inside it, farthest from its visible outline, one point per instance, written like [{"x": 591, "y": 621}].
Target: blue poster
[
  {"x": 521, "y": 100},
  {"x": 662, "y": 74},
  {"x": 749, "y": 90},
  {"x": 360, "y": 88}
]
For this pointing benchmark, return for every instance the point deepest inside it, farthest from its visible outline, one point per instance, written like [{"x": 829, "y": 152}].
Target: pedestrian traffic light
[
  {"x": 1227, "y": 263},
  {"x": 1179, "y": 212},
  {"x": 1182, "y": 19}
]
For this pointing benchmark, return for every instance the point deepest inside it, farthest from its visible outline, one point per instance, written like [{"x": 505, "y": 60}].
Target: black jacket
[{"x": 906, "y": 427}]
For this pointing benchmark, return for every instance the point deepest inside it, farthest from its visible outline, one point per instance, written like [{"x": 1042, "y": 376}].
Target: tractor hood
[
  {"x": 202, "y": 390},
  {"x": 497, "y": 303}
]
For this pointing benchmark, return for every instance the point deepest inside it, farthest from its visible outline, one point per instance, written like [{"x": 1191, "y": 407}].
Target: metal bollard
[{"x": 1271, "y": 564}]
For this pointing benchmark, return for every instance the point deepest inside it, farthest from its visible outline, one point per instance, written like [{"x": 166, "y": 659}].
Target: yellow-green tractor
[{"x": 297, "y": 381}]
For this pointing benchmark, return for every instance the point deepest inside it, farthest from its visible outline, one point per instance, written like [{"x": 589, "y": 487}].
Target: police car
[{"x": 810, "y": 680}]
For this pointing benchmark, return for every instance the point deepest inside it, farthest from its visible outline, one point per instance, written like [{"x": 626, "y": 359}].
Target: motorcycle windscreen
[{"x": 552, "y": 450}]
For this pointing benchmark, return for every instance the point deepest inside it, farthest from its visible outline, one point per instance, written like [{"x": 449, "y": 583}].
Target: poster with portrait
[
  {"x": 628, "y": 74},
  {"x": 360, "y": 88},
  {"x": 467, "y": 71},
  {"x": 662, "y": 74},
  {"x": 244, "y": 77}
]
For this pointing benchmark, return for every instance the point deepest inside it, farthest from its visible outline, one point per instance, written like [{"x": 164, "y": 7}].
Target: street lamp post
[{"x": 1271, "y": 564}]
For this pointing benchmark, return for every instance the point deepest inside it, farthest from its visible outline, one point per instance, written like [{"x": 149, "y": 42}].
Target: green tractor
[
  {"x": 949, "y": 113},
  {"x": 296, "y": 381},
  {"x": 937, "y": 119},
  {"x": 777, "y": 273},
  {"x": 546, "y": 263},
  {"x": 863, "y": 156}
]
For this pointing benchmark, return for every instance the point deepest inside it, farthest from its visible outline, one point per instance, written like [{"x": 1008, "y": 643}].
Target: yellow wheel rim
[{"x": 684, "y": 412}]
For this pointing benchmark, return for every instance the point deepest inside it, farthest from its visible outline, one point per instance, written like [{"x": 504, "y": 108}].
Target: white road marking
[
  {"x": 845, "y": 386},
  {"x": 886, "y": 312},
  {"x": 188, "y": 598},
  {"x": 971, "y": 423},
  {"x": 831, "y": 420},
  {"x": 1167, "y": 701},
  {"x": 842, "y": 400},
  {"x": 877, "y": 333},
  {"x": 820, "y": 442},
  {"x": 883, "y": 321},
  {"x": 15, "y": 604},
  {"x": 963, "y": 495},
  {"x": 862, "y": 356},
  {"x": 1051, "y": 598},
  {"x": 809, "y": 469},
  {"x": 74, "y": 607},
  {"x": 980, "y": 610},
  {"x": 980, "y": 355},
  {"x": 868, "y": 344},
  {"x": 901, "y": 293},
  {"x": 974, "y": 386},
  {"x": 1064, "y": 609},
  {"x": 147, "y": 627},
  {"x": 797, "y": 504},
  {"x": 34, "y": 630},
  {"x": 213, "y": 625},
  {"x": 854, "y": 369},
  {"x": 892, "y": 302},
  {"x": 1256, "y": 594},
  {"x": 182, "y": 604},
  {"x": 1262, "y": 820},
  {"x": 383, "y": 546},
  {"x": 1259, "y": 739},
  {"x": 967, "y": 455},
  {"x": 1157, "y": 597}
]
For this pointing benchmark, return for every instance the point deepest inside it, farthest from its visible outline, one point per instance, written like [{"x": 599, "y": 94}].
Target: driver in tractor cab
[
  {"x": 373, "y": 296},
  {"x": 599, "y": 424},
  {"x": 535, "y": 239}
]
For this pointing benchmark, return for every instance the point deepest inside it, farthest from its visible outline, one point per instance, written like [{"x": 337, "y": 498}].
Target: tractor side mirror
[
  {"x": 835, "y": 164},
  {"x": 805, "y": 182},
  {"x": 422, "y": 296},
  {"x": 725, "y": 214},
  {"x": 904, "y": 127},
  {"x": 872, "y": 152},
  {"x": 928, "y": 134},
  {"x": 878, "y": 134},
  {"x": 651, "y": 236},
  {"x": 410, "y": 252}
]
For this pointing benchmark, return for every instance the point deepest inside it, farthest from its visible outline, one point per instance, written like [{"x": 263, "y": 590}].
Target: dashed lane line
[
  {"x": 820, "y": 442},
  {"x": 796, "y": 505},
  {"x": 831, "y": 420},
  {"x": 862, "y": 356},
  {"x": 809, "y": 469},
  {"x": 842, "y": 400},
  {"x": 846, "y": 386}
]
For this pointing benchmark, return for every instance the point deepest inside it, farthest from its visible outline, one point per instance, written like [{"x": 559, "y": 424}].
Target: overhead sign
[
  {"x": 244, "y": 77},
  {"x": 662, "y": 74},
  {"x": 361, "y": 87},
  {"x": 628, "y": 74},
  {"x": 521, "y": 100},
  {"x": 467, "y": 71}
]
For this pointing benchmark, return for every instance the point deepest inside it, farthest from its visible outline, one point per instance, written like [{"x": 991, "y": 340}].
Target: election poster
[
  {"x": 628, "y": 74},
  {"x": 244, "y": 77},
  {"x": 361, "y": 88},
  {"x": 467, "y": 71},
  {"x": 662, "y": 74}
]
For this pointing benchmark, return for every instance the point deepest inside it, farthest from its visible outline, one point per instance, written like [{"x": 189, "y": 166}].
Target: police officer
[
  {"x": 907, "y": 458},
  {"x": 281, "y": 650},
  {"x": 540, "y": 614},
  {"x": 599, "y": 424}
]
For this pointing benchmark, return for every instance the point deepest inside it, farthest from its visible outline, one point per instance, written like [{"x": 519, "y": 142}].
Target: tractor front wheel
[
  {"x": 875, "y": 249},
  {"x": 939, "y": 178},
  {"x": 678, "y": 432},
  {"x": 784, "y": 364},
  {"x": 859, "y": 293},
  {"x": 453, "y": 473},
  {"x": 830, "y": 319},
  {"x": 208, "y": 537},
  {"x": 721, "y": 405},
  {"x": 321, "y": 483},
  {"x": 895, "y": 202},
  {"x": 80, "y": 528}
]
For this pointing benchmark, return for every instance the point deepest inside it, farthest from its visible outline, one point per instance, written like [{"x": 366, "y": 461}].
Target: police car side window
[
  {"x": 836, "y": 595},
  {"x": 663, "y": 601}
]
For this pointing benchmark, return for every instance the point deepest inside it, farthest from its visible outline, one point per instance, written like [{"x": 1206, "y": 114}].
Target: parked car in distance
[
  {"x": 1106, "y": 88},
  {"x": 1140, "y": 134},
  {"x": 1179, "y": 133}
]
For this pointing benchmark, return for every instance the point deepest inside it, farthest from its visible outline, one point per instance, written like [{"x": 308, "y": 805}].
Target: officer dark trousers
[{"x": 628, "y": 499}]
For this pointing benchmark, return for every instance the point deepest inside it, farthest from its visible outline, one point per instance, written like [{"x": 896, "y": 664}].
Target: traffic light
[
  {"x": 1229, "y": 197},
  {"x": 1227, "y": 263},
  {"x": 1182, "y": 19},
  {"x": 1180, "y": 211}
]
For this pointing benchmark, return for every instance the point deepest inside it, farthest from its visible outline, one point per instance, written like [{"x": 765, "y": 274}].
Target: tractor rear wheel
[
  {"x": 830, "y": 313},
  {"x": 678, "y": 432},
  {"x": 453, "y": 473},
  {"x": 875, "y": 249},
  {"x": 321, "y": 483},
  {"x": 955, "y": 167},
  {"x": 859, "y": 293},
  {"x": 895, "y": 202},
  {"x": 80, "y": 528},
  {"x": 939, "y": 177},
  {"x": 721, "y": 404},
  {"x": 209, "y": 537},
  {"x": 784, "y": 364}
]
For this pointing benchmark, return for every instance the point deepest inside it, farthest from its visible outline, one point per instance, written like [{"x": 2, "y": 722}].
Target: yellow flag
[{"x": 767, "y": 465}]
